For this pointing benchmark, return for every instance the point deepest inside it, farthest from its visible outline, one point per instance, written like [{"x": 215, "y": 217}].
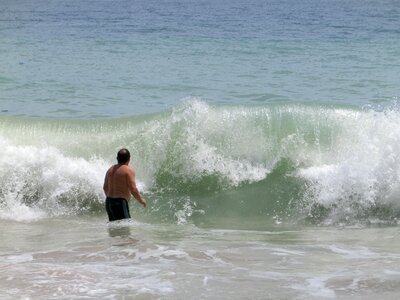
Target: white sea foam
[
  {"x": 362, "y": 169},
  {"x": 19, "y": 258},
  {"x": 354, "y": 253},
  {"x": 316, "y": 287},
  {"x": 198, "y": 140},
  {"x": 34, "y": 179}
]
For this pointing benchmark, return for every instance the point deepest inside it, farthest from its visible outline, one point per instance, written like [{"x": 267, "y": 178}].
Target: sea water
[{"x": 264, "y": 134}]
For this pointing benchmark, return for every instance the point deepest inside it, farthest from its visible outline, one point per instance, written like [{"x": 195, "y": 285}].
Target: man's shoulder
[
  {"x": 110, "y": 169},
  {"x": 126, "y": 169}
]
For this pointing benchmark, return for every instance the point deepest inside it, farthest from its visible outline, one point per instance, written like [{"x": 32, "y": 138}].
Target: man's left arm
[{"x": 105, "y": 185}]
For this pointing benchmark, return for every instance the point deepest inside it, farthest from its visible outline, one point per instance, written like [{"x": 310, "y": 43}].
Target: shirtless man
[{"x": 119, "y": 185}]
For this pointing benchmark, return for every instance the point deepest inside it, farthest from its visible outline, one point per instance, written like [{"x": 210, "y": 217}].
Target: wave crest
[{"x": 327, "y": 165}]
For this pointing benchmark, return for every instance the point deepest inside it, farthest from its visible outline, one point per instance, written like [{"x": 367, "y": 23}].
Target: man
[{"x": 119, "y": 185}]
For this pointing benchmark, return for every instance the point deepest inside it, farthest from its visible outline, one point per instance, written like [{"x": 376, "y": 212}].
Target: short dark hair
[{"x": 123, "y": 156}]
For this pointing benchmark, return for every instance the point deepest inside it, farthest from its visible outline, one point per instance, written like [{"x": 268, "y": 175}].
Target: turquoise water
[
  {"x": 265, "y": 137},
  {"x": 108, "y": 59}
]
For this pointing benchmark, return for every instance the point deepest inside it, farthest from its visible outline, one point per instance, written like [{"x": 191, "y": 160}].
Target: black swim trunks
[{"x": 117, "y": 209}]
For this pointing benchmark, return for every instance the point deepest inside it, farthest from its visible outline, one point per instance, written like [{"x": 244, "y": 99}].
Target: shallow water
[{"x": 66, "y": 258}]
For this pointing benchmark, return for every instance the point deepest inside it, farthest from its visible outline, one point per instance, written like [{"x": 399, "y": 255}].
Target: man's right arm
[{"x": 133, "y": 188}]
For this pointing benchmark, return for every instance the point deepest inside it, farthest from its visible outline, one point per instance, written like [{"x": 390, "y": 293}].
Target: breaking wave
[{"x": 201, "y": 163}]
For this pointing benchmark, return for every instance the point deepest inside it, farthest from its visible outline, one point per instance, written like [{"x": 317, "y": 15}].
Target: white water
[
  {"x": 348, "y": 158},
  {"x": 63, "y": 258}
]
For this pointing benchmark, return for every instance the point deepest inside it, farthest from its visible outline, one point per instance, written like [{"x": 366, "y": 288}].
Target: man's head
[{"x": 123, "y": 156}]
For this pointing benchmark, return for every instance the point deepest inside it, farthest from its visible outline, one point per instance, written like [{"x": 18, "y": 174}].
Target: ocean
[{"x": 265, "y": 136}]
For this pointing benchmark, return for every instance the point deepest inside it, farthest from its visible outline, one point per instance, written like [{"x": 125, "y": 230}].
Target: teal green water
[{"x": 204, "y": 164}]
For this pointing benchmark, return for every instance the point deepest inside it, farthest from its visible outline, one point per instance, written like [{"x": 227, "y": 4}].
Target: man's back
[{"x": 118, "y": 183}]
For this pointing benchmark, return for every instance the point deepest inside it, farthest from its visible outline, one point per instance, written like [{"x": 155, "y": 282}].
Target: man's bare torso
[{"x": 117, "y": 182}]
